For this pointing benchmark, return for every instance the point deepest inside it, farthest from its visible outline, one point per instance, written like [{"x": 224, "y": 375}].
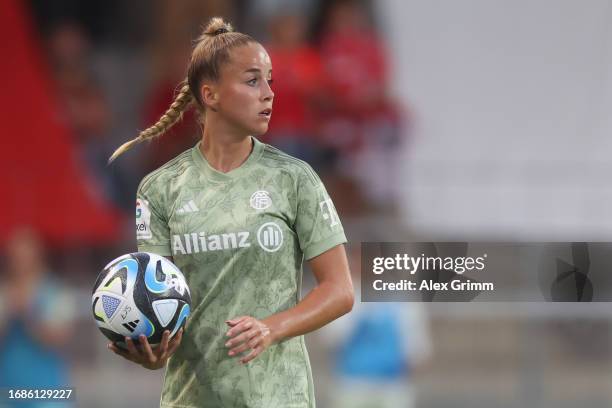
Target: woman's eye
[
  {"x": 252, "y": 81},
  {"x": 270, "y": 82}
]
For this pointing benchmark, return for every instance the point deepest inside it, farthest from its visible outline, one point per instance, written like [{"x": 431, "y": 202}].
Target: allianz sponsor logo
[{"x": 269, "y": 238}]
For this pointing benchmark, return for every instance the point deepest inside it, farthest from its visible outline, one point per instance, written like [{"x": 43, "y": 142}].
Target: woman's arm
[{"x": 331, "y": 298}]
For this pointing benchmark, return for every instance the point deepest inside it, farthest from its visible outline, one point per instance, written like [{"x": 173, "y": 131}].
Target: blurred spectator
[
  {"x": 68, "y": 48},
  {"x": 36, "y": 315},
  {"x": 83, "y": 104},
  {"x": 355, "y": 60},
  {"x": 376, "y": 349},
  {"x": 297, "y": 74},
  {"x": 358, "y": 118}
]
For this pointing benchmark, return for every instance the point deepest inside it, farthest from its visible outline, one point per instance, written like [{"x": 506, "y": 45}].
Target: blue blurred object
[
  {"x": 374, "y": 348},
  {"x": 25, "y": 361}
]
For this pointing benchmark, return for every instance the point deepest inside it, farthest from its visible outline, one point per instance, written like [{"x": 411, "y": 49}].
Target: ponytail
[
  {"x": 174, "y": 114},
  {"x": 211, "y": 51}
]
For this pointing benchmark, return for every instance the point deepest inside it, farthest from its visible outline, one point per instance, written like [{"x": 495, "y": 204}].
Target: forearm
[{"x": 326, "y": 302}]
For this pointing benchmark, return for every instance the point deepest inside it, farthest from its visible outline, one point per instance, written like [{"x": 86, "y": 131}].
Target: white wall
[{"x": 514, "y": 106}]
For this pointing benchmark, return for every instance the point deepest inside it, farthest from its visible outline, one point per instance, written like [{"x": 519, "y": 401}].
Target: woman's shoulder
[
  {"x": 168, "y": 171},
  {"x": 276, "y": 158}
]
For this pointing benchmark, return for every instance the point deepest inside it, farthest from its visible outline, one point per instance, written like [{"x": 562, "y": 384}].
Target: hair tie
[{"x": 221, "y": 30}]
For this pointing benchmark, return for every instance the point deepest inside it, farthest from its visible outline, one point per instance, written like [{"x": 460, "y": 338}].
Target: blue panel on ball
[
  {"x": 110, "y": 305},
  {"x": 184, "y": 313},
  {"x": 145, "y": 326},
  {"x": 132, "y": 271},
  {"x": 151, "y": 281}
]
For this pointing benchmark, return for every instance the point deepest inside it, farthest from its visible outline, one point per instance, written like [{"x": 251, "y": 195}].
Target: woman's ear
[{"x": 209, "y": 96}]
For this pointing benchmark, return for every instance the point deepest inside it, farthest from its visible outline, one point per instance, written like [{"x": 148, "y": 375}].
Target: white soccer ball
[{"x": 140, "y": 293}]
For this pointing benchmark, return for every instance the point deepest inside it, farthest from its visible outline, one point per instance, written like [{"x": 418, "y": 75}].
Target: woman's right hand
[{"x": 144, "y": 355}]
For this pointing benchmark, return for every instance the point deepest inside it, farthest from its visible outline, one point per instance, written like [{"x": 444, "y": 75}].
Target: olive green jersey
[{"x": 240, "y": 239}]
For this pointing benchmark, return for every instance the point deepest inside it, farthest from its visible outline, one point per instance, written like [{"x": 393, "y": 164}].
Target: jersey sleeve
[
  {"x": 152, "y": 232},
  {"x": 317, "y": 223}
]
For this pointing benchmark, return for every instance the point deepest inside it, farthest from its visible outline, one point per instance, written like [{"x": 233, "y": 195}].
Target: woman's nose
[{"x": 268, "y": 93}]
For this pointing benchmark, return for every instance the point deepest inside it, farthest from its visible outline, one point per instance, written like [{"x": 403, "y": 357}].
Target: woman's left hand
[{"x": 247, "y": 332}]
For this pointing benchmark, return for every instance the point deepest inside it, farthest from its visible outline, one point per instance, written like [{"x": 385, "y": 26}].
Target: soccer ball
[{"x": 140, "y": 293}]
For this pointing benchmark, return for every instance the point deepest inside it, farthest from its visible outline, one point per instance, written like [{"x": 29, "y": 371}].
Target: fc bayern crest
[{"x": 260, "y": 200}]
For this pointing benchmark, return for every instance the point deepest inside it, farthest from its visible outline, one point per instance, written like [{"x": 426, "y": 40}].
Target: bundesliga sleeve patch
[{"x": 143, "y": 220}]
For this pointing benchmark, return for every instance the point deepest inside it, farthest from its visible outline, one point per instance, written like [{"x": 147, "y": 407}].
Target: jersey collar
[{"x": 216, "y": 175}]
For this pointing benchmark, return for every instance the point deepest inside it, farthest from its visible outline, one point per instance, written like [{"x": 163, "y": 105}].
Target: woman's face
[{"x": 244, "y": 97}]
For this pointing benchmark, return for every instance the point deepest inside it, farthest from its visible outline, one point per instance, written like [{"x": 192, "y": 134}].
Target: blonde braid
[{"x": 181, "y": 103}]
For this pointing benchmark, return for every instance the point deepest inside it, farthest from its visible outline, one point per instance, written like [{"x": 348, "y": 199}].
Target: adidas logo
[
  {"x": 187, "y": 208},
  {"x": 131, "y": 325}
]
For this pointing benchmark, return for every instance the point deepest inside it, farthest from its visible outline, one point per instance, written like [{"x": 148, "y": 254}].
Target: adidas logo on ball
[{"x": 131, "y": 325}]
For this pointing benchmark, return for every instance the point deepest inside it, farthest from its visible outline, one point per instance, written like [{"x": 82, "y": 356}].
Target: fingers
[
  {"x": 179, "y": 336},
  {"x": 148, "y": 352},
  {"x": 254, "y": 353},
  {"x": 235, "y": 320},
  {"x": 163, "y": 347},
  {"x": 246, "y": 332},
  {"x": 134, "y": 353},
  {"x": 240, "y": 327},
  {"x": 255, "y": 341},
  {"x": 145, "y": 355},
  {"x": 244, "y": 336},
  {"x": 252, "y": 343},
  {"x": 120, "y": 352},
  {"x": 249, "y": 341},
  {"x": 176, "y": 341}
]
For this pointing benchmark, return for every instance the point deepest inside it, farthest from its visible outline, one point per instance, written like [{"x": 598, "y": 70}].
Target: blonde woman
[{"x": 238, "y": 217}]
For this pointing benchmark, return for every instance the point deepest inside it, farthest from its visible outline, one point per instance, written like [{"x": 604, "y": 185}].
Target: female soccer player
[{"x": 238, "y": 217}]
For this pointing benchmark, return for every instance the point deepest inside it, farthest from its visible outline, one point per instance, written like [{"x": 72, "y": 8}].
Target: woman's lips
[{"x": 266, "y": 113}]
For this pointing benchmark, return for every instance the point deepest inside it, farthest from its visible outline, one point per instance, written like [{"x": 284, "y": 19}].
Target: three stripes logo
[
  {"x": 190, "y": 207},
  {"x": 270, "y": 237},
  {"x": 131, "y": 325}
]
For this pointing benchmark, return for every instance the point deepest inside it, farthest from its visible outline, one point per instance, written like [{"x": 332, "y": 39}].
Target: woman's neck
[{"x": 225, "y": 151}]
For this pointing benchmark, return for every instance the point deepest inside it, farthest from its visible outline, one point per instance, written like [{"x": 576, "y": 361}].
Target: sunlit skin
[
  {"x": 331, "y": 298},
  {"x": 234, "y": 106}
]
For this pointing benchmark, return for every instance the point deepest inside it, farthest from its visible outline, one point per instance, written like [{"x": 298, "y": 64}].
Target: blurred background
[{"x": 427, "y": 120}]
